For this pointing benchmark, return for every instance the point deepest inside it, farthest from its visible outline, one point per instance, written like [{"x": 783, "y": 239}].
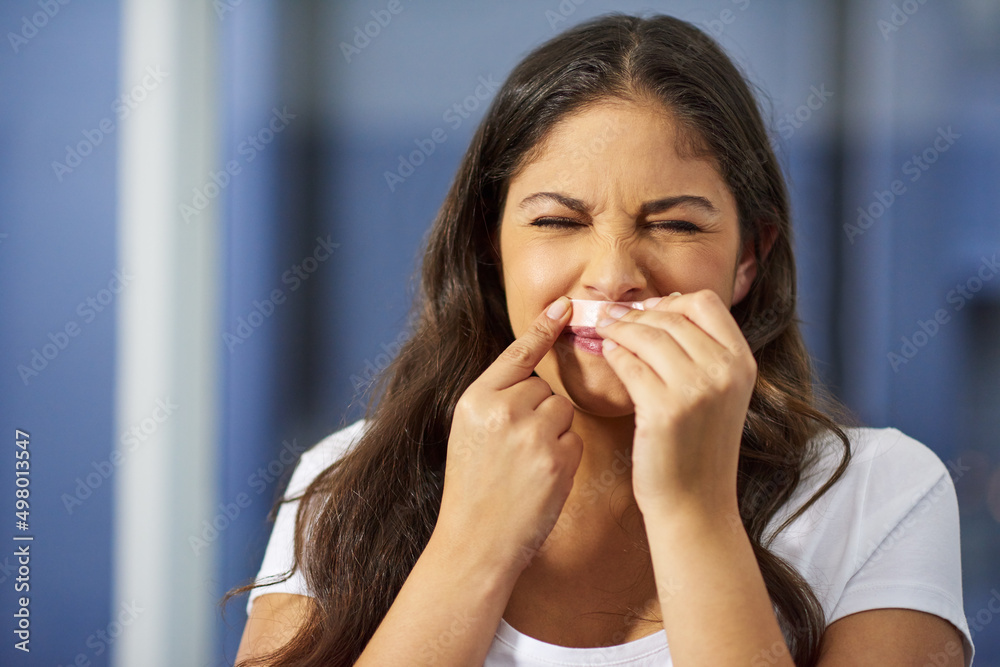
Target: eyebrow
[{"x": 647, "y": 208}]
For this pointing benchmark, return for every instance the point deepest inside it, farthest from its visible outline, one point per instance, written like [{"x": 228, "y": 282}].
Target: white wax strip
[{"x": 586, "y": 313}]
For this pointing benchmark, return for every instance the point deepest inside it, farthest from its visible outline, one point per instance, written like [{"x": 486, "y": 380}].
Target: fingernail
[
  {"x": 675, "y": 294},
  {"x": 605, "y": 321},
  {"x": 652, "y": 301},
  {"x": 558, "y": 308},
  {"x": 617, "y": 310},
  {"x": 608, "y": 344}
]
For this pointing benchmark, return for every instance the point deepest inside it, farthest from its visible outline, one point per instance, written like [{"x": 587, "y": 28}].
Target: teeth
[{"x": 586, "y": 312}]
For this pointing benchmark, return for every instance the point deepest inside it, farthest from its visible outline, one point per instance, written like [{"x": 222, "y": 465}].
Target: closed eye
[
  {"x": 560, "y": 223},
  {"x": 674, "y": 226},
  {"x": 680, "y": 226}
]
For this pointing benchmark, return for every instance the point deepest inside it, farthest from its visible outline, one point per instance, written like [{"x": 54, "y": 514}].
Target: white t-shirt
[{"x": 886, "y": 535}]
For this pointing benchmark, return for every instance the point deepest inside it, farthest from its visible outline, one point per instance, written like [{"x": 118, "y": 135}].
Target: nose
[{"x": 613, "y": 273}]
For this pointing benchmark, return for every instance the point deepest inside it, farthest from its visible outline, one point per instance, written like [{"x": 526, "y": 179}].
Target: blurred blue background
[{"x": 900, "y": 288}]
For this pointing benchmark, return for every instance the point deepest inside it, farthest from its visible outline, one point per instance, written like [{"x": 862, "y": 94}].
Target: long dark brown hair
[{"x": 371, "y": 513}]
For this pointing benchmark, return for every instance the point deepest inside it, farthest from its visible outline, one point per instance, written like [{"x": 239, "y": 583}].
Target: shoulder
[
  {"x": 890, "y": 449},
  {"x": 898, "y": 462},
  {"x": 895, "y": 499},
  {"x": 276, "y": 574},
  {"x": 888, "y": 476},
  {"x": 323, "y": 454},
  {"x": 886, "y": 534},
  {"x": 884, "y": 461}
]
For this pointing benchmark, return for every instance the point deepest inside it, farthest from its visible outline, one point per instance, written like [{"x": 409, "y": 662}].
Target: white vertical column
[{"x": 167, "y": 335}]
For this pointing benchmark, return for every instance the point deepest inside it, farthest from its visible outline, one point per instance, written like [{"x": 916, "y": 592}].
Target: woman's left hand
[{"x": 690, "y": 374}]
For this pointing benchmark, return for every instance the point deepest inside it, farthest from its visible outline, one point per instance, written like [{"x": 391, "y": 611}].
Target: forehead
[{"x": 622, "y": 149}]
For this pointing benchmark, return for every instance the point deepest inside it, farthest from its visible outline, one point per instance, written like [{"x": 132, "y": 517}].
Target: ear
[{"x": 746, "y": 270}]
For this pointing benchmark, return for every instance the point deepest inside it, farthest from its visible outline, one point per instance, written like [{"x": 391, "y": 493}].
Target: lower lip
[{"x": 592, "y": 345}]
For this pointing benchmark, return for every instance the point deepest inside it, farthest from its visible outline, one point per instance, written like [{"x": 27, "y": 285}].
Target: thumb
[{"x": 520, "y": 358}]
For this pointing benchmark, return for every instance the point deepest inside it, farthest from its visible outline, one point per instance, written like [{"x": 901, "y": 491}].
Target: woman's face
[{"x": 609, "y": 210}]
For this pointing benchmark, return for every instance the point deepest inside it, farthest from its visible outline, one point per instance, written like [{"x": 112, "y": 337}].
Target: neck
[
  {"x": 602, "y": 487},
  {"x": 597, "y": 555},
  {"x": 607, "y": 444}
]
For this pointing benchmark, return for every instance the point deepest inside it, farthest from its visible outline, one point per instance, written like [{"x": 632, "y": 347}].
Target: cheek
[
  {"x": 587, "y": 381},
  {"x": 530, "y": 264},
  {"x": 532, "y": 279},
  {"x": 694, "y": 268}
]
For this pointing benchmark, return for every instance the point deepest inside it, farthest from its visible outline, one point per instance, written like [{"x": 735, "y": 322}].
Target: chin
[
  {"x": 601, "y": 405},
  {"x": 594, "y": 389}
]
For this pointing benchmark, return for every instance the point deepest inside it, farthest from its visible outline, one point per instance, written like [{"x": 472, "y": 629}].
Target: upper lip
[{"x": 583, "y": 332}]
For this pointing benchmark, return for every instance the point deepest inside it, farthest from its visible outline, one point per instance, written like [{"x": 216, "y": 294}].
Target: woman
[{"x": 527, "y": 494}]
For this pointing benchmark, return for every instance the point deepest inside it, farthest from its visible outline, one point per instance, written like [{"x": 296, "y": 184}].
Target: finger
[
  {"x": 520, "y": 358},
  {"x": 530, "y": 392},
  {"x": 652, "y": 345},
  {"x": 557, "y": 411},
  {"x": 573, "y": 443},
  {"x": 696, "y": 343},
  {"x": 706, "y": 309},
  {"x": 639, "y": 379}
]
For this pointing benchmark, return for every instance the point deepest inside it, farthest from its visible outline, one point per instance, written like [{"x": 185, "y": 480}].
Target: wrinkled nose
[{"x": 613, "y": 273}]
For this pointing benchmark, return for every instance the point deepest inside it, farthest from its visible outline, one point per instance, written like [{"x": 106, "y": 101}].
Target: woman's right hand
[{"x": 511, "y": 455}]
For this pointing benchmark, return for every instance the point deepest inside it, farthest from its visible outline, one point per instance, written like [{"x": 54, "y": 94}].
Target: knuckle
[
  {"x": 517, "y": 353},
  {"x": 713, "y": 375},
  {"x": 536, "y": 430},
  {"x": 740, "y": 349},
  {"x": 634, "y": 371},
  {"x": 502, "y": 414},
  {"x": 704, "y": 380},
  {"x": 525, "y": 438},
  {"x": 561, "y": 402},
  {"x": 673, "y": 318},
  {"x": 562, "y": 406},
  {"x": 572, "y": 445},
  {"x": 651, "y": 334},
  {"x": 537, "y": 384},
  {"x": 551, "y": 464},
  {"x": 522, "y": 430},
  {"x": 689, "y": 391},
  {"x": 724, "y": 359},
  {"x": 704, "y": 299},
  {"x": 727, "y": 384},
  {"x": 701, "y": 398},
  {"x": 539, "y": 329}
]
